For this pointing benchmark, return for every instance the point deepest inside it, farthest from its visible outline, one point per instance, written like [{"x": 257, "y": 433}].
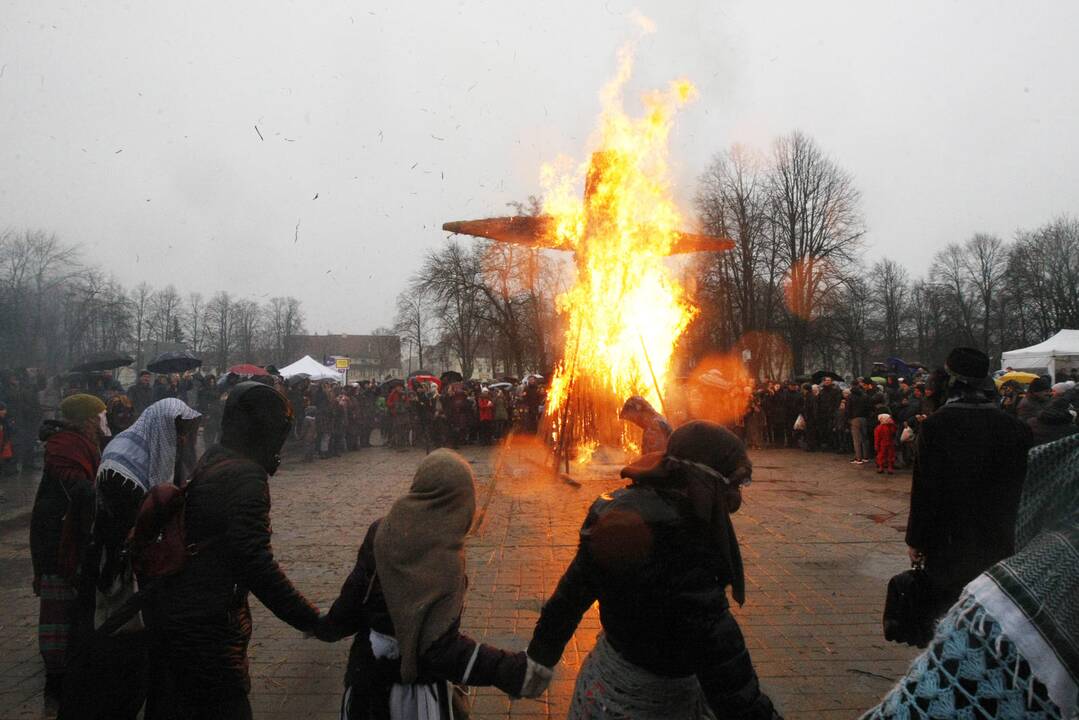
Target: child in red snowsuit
[{"x": 884, "y": 440}]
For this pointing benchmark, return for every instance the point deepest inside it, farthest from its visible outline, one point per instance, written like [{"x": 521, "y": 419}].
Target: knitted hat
[{"x": 81, "y": 407}]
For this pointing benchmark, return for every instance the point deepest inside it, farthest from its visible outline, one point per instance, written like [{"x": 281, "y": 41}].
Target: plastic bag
[
  {"x": 907, "y": 435},
  {"x": 800, "y": 423}
]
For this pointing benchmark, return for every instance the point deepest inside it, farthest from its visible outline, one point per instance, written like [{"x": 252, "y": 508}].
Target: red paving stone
[{"x": 819, "y": 537}]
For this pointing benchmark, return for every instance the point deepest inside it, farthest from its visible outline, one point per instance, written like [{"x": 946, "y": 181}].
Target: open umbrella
[
  {"x": 451, "y": 376},
  {"x": 248, "y": 369},
  {"x": 417, "y": 373},
  {"x": 1016, "y": 376},
  {"x": 428, "y": 378},
  {"x": 390, "y": 384},
  {"x": 107, "y": 360},
  {"x": 821, "y": 374},
  {"x": 174, "y": 361},
  {"x": 878, "y": 380},
  {"x": 500, "y": 386}
]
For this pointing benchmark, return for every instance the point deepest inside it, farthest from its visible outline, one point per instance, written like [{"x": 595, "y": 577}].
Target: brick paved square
[{"x": 820, "y": 539}]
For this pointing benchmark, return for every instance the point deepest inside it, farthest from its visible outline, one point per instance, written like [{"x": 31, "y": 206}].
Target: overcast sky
[{"x": 129, "y": 127}]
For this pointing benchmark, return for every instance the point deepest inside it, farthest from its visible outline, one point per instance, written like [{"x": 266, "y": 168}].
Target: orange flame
[{"x": 626, "y": 310}]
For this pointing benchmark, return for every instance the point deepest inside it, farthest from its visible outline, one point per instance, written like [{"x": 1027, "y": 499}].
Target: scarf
[
  {"x": 145, "y": 453},
  {"x": 69, "y": 451},
  {"x": 419, "y": 555},
  {"x": 1042, "y": 578}
]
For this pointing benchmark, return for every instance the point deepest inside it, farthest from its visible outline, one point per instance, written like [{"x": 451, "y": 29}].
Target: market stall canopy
[
  {"x": 1058, "y": 352},
  {"x": 174, "y": 361},
  {"x": 108, "y": 360},
  {"x": 312, "y": 369}
]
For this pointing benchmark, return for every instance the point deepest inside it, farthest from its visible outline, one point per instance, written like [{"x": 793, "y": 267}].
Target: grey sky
[{"x": 129, "y": 127}]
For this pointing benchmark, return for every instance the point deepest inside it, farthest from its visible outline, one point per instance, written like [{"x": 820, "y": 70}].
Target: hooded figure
[
  {"x": 404, "y": 600},
  {"x": 658, "y": 556},
  {"x": 202, "y": 615},
  {"x": 1010, "y": 647}
]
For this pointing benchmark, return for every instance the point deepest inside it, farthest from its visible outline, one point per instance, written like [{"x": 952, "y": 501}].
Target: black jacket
[
  {"x": 661, "y": 599},
  {"x": 859, "y": 404},
  {"x": 361, "y": 607},
  {"x": 968, "y": 475},
  {"x": 202, "y": 612}
]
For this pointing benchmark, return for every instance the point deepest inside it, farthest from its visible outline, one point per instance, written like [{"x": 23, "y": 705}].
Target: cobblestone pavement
[{"x": 820, "y": 538}]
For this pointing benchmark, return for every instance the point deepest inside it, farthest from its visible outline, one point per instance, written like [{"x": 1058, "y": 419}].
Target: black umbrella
[
  {"x": 450, "y": 376},
  {"x": 107, "y": 360},
  {"x": 390, "y": 385},
  {"x": 821, "y": 374},
  {"x": 176, "y": 361}
]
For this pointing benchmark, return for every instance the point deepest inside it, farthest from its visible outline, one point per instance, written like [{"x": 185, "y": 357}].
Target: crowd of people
[
  {"x": 145, "y": 550},
  {"x": 331, "y": 418},
  {"x": 846, "y": 418}
]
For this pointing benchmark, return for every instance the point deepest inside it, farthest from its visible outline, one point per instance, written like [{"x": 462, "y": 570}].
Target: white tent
[
  {"x": 311, "y": 369},
  {"x": 1058, "y": 352}
]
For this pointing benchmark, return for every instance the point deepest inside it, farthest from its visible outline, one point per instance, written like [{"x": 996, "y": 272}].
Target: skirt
[
  {"x": 57, "y": 613},
  {"x": 609, "y": 687}
]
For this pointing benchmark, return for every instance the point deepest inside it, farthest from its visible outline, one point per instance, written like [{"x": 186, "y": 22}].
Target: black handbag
[{"x": 908, "y": 608}]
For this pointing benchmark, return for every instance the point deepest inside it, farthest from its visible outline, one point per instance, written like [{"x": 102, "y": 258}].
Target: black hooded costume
[
  {"x": 658, "y": 556},
  {"x": 202, "y": 613}
]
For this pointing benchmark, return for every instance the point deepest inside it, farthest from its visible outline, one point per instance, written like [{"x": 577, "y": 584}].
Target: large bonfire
[{"x": 626, "y": 310}]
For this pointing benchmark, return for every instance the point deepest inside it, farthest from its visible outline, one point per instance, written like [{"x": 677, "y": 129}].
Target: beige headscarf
[{"x": 419, "y": 554}]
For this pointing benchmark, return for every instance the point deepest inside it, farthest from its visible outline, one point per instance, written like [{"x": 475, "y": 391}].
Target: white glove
[{"x": 537, "y": 678}]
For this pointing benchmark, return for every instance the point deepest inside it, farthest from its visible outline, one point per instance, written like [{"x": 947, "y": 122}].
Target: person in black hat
[
  {"x": 658, "y": 556},
  {"x": 969, "y": 467},
  {"x": 202, "y": 613}
]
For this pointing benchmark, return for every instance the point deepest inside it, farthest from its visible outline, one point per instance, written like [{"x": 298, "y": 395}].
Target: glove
[{"x": 537, "y": 678}]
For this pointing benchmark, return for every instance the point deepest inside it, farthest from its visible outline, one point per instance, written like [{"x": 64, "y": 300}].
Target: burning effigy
[{"x": 626, "y": 309}]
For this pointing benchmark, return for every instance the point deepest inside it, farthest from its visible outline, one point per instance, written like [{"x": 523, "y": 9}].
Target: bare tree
[
  {"x": 815, "y": 210},
  {"x": 451, "y": 278},
  {"x": 285, "y": 320},
  {"x": 165, "y": 308},
  {"x": 246, "y": 319},
  {"x": 139, "y": 302},
  {"x": 414, "y": 321},
  {"x": 219, "y": 329},
  {"x": 196, "y": 321},
  {"x": 891, "y": 285}
]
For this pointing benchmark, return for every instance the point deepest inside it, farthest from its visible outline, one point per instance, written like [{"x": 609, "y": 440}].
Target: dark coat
[
  {"x": 968, "y": 475},
  {"x": 661, "y": 598},
  {"x": 361, "y": 607},
  {"x": 71, "y": 462},
  {"x": 203, "y": 612},
  {"x": 1031, "y": 406},
  {"x": 1054, "y": 422}
]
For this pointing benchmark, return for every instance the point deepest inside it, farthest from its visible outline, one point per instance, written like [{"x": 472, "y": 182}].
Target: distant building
[
  {"x": 441, "y": 356},
  {"x": 374, "y": 357}
]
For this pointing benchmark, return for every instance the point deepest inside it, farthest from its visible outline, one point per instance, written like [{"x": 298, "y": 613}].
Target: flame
[{"x": 626, "y": 310}]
